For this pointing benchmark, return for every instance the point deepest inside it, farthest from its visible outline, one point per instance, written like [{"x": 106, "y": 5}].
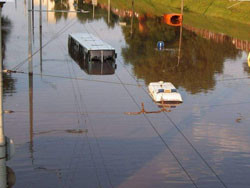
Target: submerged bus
[{"x": 92, "y": 54}]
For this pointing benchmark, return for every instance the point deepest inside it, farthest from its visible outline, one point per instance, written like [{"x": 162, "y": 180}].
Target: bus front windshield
[{"x": 97, "y": 55}]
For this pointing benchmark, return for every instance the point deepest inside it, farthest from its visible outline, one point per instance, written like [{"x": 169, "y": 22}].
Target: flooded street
[{"x": 70, "y": 122}]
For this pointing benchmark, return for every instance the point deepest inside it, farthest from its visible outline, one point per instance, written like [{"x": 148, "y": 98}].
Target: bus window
[
  {"x": 108, "y": 54},
  {"x": 95, "y": 55}
]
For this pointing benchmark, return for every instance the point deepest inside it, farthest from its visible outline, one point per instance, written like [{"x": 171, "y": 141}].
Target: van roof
[{"x": 90, "y": 41}]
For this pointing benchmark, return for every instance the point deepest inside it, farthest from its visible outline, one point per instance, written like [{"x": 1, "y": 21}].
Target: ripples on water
[{"x": 53, "y": 149}]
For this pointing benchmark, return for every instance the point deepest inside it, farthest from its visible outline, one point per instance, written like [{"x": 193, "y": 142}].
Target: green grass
[
  {"x": 213, "y": 15},
  {"x": 216, "y": 8},
  {"x": 219, "y": 25}
]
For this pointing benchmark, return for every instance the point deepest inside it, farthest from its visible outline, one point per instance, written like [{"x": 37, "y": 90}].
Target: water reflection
[
  {"x": 101, "y": 12},
  {"x": 91, "y": 66},
  {"x": 143, "y": 160},
  {"x": 201, "y": 59},
  {"x": 6, "y": 149},
  {"x": 30, "y": 83},
  {"x": 3, "y": 171},
  {"x": 246, "y": 65},
  {"x": 164, "y": 107},
  {"x": 31, "y": 132},
  {"x": 7, "y": 175},
  {"x": 61, "y": 5},
  {"x": 8, "y": 81},
  {"x": 168, "y": 105},
  {"x": 96, "y": 12},
  {"x": 41, "y": 36},
  {"x": 94, "y": 67}
]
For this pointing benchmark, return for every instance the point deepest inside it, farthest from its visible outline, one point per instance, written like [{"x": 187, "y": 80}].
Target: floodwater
[{"x": 74, "y": 132}]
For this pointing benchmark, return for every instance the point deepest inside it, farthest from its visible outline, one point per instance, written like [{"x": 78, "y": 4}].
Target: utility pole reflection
[
  {"x": 30, "y": 80},
  {"x": 3, "y": 175},
  {"x": 180, "y": 40},
  {"x": 109, "y": 11},
  {"x": 7, "y": 176},
  {"x": 41, "y": 42},
  {"x": 93, "y": 9},
  {"x": 29, "y": 39},
  {"x": 132, "y": 19},
  {"x": 31, "y": 113},
  {"x": 33, "y": 25},
  {"x": 25, "y": 8}
]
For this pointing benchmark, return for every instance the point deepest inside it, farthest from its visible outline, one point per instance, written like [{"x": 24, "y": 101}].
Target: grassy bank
[
  {"x": 217, "y": 8},
  {"x": 228, "y": 10},
  {"x": 219, "y": 25},
  {"x": 213, "y": 15}
]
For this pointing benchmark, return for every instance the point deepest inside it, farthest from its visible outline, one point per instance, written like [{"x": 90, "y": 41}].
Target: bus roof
[{"x": 90, "y": 42}]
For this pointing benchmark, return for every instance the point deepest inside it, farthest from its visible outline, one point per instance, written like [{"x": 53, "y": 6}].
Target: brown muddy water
[{"x": 75, "y": 133}]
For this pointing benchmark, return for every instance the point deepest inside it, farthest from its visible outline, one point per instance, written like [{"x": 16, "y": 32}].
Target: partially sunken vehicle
[
  {"x": 164, "y": 92},
  {"x": 93, "y": 55}
]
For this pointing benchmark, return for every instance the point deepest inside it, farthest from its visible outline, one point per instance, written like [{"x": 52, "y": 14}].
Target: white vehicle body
[
  {"x": 164, "y": 92},
  {"x": 90, "y": 46}
]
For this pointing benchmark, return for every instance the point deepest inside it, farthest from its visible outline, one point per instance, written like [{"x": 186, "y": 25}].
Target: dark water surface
[{"x": 74, "y": 133}]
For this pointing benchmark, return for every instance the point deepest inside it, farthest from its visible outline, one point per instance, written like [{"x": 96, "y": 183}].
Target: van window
[
  {"x": 160, "y": 90},
  {"x": 173, "y": 90}
]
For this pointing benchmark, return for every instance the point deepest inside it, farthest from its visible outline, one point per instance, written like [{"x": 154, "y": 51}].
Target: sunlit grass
[
  {"x": 213, "y": 15},
  {"x": 216, "y": 8}
]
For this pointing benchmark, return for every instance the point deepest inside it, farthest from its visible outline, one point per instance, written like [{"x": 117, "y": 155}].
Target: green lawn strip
[
  {"x": 218, "y": 25},
  {"x": 213, "y": 15}
]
